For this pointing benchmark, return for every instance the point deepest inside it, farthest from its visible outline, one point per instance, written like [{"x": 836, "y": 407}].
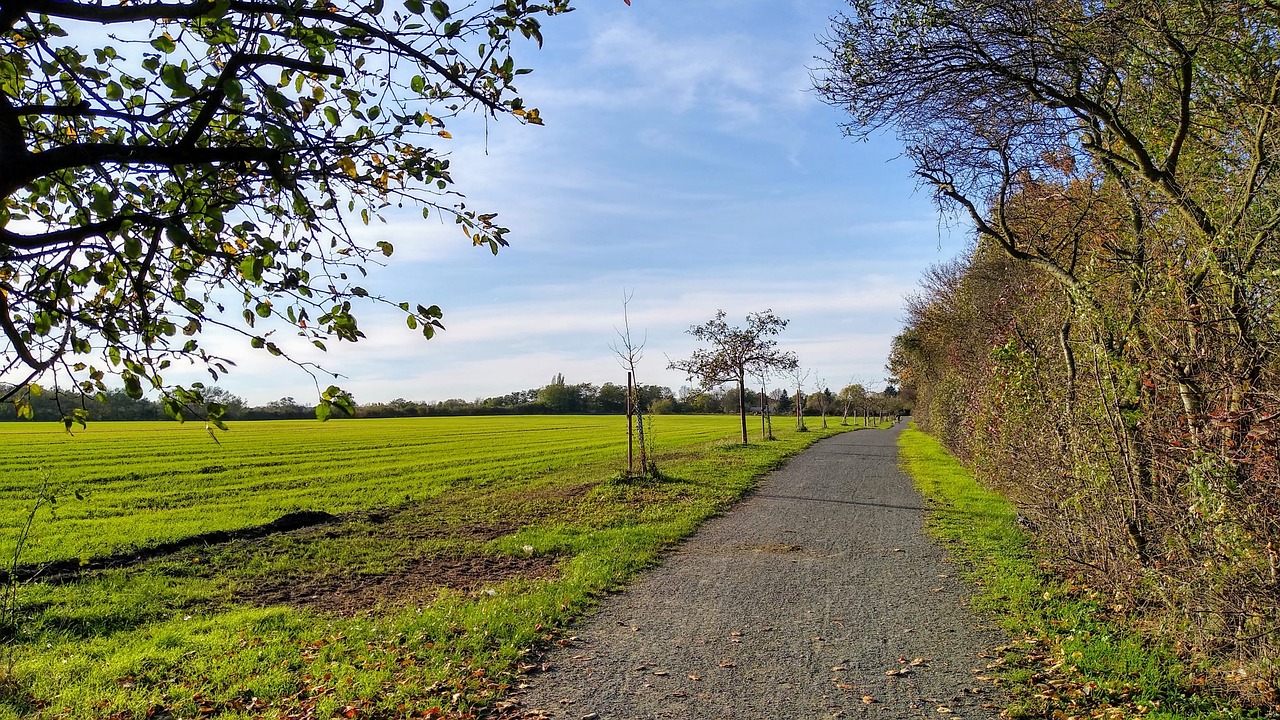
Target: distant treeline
[{"x": 556, "y": 398}]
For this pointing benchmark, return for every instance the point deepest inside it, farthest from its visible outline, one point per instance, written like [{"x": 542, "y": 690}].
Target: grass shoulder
[{"x": 1073, "y": 654}]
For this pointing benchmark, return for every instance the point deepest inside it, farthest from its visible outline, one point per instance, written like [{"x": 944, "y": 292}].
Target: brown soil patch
[
  {"x": 355, "y": 594},
  {"x": 557, "y": 492},
  {"x": 474, "y": 532}
]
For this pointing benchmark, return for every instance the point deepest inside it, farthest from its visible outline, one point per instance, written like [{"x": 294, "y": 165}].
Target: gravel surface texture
[{"x": 818, "y": 597}]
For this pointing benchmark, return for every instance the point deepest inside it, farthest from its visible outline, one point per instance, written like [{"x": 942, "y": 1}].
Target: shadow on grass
[{"x": 63, "y": 571}]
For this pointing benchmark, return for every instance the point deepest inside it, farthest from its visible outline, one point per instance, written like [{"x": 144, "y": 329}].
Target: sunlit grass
[{"x": 148, "y": 482}]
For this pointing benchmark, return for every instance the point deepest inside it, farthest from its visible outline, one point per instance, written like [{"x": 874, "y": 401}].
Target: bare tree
[
  {"x": 851, "y": 397},
  {"x": 766, "y": 418},
  {"x": 823, "y": 397},
  {"x": 799, "y": 376},
  {"x": 629, "y": 353}
]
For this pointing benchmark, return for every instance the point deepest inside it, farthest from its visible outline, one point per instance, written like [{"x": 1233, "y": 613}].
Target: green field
[
  {"x": 153, "y": 481},
  {"x": 436, "y": 553}
]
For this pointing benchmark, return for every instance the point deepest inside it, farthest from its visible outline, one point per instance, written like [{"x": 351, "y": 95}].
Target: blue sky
[{"x": 685, "y": 161}]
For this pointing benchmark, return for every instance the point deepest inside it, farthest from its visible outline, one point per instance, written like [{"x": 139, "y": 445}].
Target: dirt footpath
[{"x": 818, "y": 597}]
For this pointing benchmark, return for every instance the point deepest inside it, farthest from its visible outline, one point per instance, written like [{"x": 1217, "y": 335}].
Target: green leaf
[
  {"x": 132, "y": 386},
  {"x": 324, "y": 410},
  {"x": 251, "y": 268},
  {"x": 440, "y": 10},
  {"x": 173, "y": 408},
  {"x": 414, "y": 6},
  {"x": 233, "y": 89},
  {"x": 179, "y": 234},
  {"x": 219, "y": 10},
  {"x": 132, "y": 247},
  {"x": 417, "y": 83},
  {"x": 331, "y": 114},
  {"x": 175, "y": 78},
  {"x": 164, "y": 43}
]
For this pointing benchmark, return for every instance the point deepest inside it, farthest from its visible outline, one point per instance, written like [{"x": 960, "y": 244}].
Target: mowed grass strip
[{"x": 459, "y": 545}]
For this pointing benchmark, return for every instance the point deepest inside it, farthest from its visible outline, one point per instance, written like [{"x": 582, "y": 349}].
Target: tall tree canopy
[
  {"x": 733, "y": 353},
  {"x": 167, "y": 167}
]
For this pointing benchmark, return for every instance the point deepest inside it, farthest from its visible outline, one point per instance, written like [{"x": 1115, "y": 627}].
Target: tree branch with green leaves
[{"x": 173, "y": 167}]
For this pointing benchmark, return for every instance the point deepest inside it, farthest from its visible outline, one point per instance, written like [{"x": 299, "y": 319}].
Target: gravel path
[{"x": 818, "y": 597}]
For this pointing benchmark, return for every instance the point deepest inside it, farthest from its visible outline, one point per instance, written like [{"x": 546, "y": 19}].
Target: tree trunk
[
  {"x": 742, "y": 406},
  {"x": 631, "y": 463},
  {"x": 764, "y": 414}
]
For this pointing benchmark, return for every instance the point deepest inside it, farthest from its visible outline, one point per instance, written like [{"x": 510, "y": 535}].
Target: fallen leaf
[
  {"x": 867, "y": 699},
  {"x": 694, "y": 678},
  {"x": 661, "y": 672},
  {"x": 728, "y": 664},
  {"x": 943, "y": 709},
  {"x": 839, "y": 668}
]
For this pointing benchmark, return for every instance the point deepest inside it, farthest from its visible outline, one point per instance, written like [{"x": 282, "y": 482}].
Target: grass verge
[{"x": 1072, "y": 655}]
